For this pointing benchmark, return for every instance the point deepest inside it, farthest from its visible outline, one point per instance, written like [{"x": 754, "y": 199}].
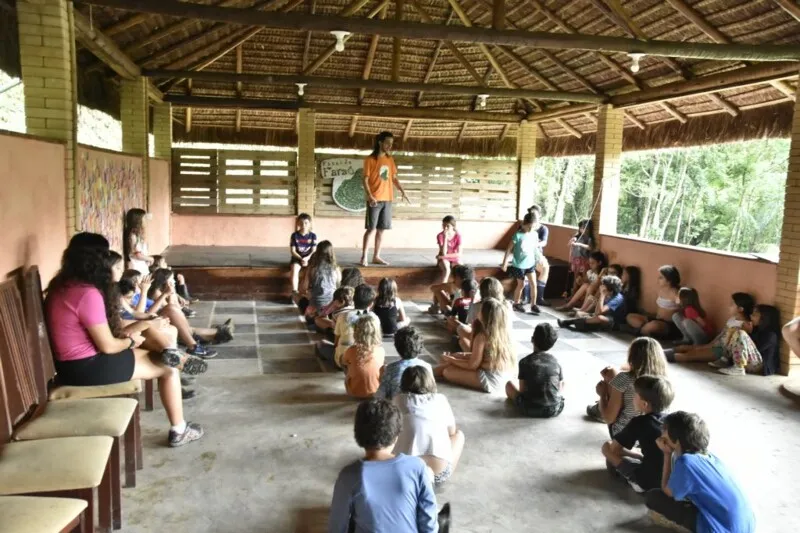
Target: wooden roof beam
[
  {"x": 416, "y": 30},
  {"x": 635, "y": 121},
  {"x": 349, "y": 83},
  {"x": 791, "y": 7},
  {"x": 307, "y": 44},
  {"x": 561, "y": 112},
  {"x": 434, "y": 58},
  {"x": 373, "y": 48},
  {"x": 338, "y": 109},
  {"x": 239, "y": 63},
  {"x": 397, "y": 44},
  {"x": 407, "y": 130},
  {"x": 565, "y": 125}
]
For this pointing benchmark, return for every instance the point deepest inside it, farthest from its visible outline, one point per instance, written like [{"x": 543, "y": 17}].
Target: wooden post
[
  {"x": 398, "y": 41},
  {"x": 499, "y": 14}
]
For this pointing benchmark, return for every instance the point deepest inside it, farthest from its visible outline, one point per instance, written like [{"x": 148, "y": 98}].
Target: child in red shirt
[{"x": 691, "y": 318}]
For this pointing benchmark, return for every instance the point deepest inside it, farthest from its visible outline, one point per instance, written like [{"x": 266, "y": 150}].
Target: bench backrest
[
  {"x": 42, "y": 352},
  {"x": 15, "y": 354}
]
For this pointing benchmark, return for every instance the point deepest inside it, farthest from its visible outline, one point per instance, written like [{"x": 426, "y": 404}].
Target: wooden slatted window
[
  {"x": 469, "y": 189},
  {"x": 235, "y": 182}
]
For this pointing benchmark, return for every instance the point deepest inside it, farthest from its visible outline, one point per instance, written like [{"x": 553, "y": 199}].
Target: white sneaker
[
  {"x": 635, "y": 486},
  {"x": 732, "y": 371},
  {"x": 722, "y": 362}
]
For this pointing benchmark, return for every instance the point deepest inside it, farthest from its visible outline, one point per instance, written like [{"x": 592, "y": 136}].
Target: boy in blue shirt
[
  {"x": 382, "y": 491},
  {"x": 302, "y": 245},
  {"x": 609, "y": 310},
  {"x": 525, "y": 247},
  {"x": 697, "y": 491}
]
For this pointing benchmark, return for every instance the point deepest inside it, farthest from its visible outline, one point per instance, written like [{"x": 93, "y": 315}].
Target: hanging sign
[{"x": 348, "y": 182}]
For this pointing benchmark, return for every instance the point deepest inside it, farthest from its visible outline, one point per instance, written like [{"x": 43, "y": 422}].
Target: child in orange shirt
[{"x": 364, "y": 359}]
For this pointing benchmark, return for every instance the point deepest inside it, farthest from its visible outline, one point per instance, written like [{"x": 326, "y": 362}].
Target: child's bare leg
[
  {"x": 295, "y": 277},
  {"x": 463, "y": 377},
  {"x": 444, "y": 267},
  {"x": 324, "y": 323},
  {"x": 635, "y": 320},
  {"x": 577, "y": 297},
  {"x": 512, "y": 391},
  {"x": 696, "y": 354},
  {"x": 457, "y": 445},
  {"x": 156, "y": 340},
  {"x": 519, "y": 285},
  {"x": 609, "y": 454},
  {"x": 178, "y": 319},
  {"x": 532, "y": 282}
]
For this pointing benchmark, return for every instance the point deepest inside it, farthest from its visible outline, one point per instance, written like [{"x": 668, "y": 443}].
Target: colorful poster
[
  {"x": 348, "y": 182},
  {"x": 107, "y": 186}
]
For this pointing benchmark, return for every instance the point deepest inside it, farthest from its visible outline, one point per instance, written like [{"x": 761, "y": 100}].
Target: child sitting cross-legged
[
  {"x": 364, "y": 359},
  {"x": 444, "y": 294},
  {"x": 698, "y": 492},
  {"x": 540, "y": 378},
  {"x": 389, "y": 307},
  {"x": 408, "y": 343},
  {"x": 382, "y": 491},
  {"x": 429, "y": 426},
  {"x": 342, "y": 302},
  {"x": 609, "y": 310},
  {"x": 653, "y": 396},
  {"x": 691, "y": 318},
  {"x": 363, "y": 299},
  {"x": 460, "y": 311}
]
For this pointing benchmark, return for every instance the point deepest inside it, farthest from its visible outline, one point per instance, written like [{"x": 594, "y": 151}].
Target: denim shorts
[{"x": 444, "y": 475}]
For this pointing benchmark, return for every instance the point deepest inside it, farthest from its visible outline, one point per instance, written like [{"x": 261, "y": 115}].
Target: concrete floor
[{"x": 279, "y": 429}]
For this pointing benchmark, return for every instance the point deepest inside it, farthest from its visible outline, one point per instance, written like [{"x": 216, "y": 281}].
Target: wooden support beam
[
  {"x": 633, "y": 120},
  {"x": 307, "y": 45},
  {"x": 505, "y": 131},
  {"x": 353, "y": 124},
  {"x": 239, "y": 62},
  {"x": 188, "y": 125},
  {"x": 499, "y": 14},
  {"x": 560, "y": 112},
  {"x": 791, "y": 7},
  {"x": 572, "y": 131},
  {"x": 373, "y": 48},
  {"x": 407, "y": 131},
  {"x": 416, "y": 30},
  {"x": 461, "y": 132},
  {"x": 669, "y": 108},
  {"x": 349, "y": 83},
  {"x": 337, "y": 109},
  {"x": 397, "y": 45}
]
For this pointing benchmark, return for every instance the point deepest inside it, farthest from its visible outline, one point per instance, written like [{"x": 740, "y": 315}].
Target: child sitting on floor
[
  {"x": 766, "y": 335},
  {"x": 460, "y": 310},
  {"x": 631, "y": 288},
  {"x": 382, "y": 491},
  {"x": 642, "y": 471},
  {"x": 429, "y": 426},
  {"x": 363, "y": 299},
  {"x": 302, "y": 245},
  {"x": 409, "y": 345},
  {"x": 525, "y": 247},
  {"x": 364, "y": 359},
  {"x": 321, "y": 281},
  {"x": 540, "y": 378},
  {"x": 697, "y": 491},
  {"x": 691, "y": 318},
  {"x": 449, "y": 241},
  {"x": 389, "y": 307},
  {"x": 351, "y": 277},
  {"x": 609, "y": 310},
  {"x": 444, "y": 294},
  {"x": 590, "y": 282},
  {"x": 342, "y": 302}
]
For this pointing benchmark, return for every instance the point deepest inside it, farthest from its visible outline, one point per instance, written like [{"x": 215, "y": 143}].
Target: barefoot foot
[{"x": 378, "y": 261}]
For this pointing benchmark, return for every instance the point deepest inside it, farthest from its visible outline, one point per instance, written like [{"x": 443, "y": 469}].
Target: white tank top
[{"x": 138, "y": 264}]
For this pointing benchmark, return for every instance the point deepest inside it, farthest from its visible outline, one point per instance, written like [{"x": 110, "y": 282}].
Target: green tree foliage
[{"x": 725, "y": 197}]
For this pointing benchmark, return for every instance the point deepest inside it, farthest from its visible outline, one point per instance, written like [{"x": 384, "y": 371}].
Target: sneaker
[
  {"x": 192, "y": 432},
  {"x": 519, "y": 308},
  {"x": 535, "y": 309},
  {"x": 433, "y": 309},
  {"x": 224, "y": 333},
  {"x": 187, "y": 394},
  {"x": 193, "y": 366},
  {"x": 189, "y": 313},
  {"x": 722, "y": 362},
  {"x": 560, "y": 323},
  {"x": 186, "y": 381},
  {"x": 202, "y": 351},
  {"x": 732, "y": 371},
  {"x": 593, "y": 412},
  {"x": 171, "y": 358}
]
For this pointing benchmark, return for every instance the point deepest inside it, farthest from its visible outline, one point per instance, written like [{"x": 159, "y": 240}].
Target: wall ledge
[
  {"x": 722, "y": 253},
  {"x": 32, "y": 137}
]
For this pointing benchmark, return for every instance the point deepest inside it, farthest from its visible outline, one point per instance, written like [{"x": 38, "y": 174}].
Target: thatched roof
[{"x": 157, "y": 41}]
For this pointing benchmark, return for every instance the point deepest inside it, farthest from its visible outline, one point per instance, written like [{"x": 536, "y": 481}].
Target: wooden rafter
[
  {"x": 307, "y": 45},
  {"x": 498, "y": 14},
  {"x": 239, "y": 65},
  {"x": 571, "y": 130},
  {"x": 476, "y": 102},
  {"x": 791, "y": 7},
  {"x": 397, "y": 45},
  {"x": 416, "y": 30},
  {"x": 188, "y": 124},
  {"x": 407, "y": 130},
  {"x": 434, "y": 58},
  {"x": 373, "y": 48}
]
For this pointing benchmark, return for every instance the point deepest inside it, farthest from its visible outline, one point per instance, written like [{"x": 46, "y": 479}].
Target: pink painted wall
[
  {"x": 230, "y": 230},
  {"x": 32, "y": 204},
  {"x": 715, "y": 275},
  {"x": 158, "y": 227}
]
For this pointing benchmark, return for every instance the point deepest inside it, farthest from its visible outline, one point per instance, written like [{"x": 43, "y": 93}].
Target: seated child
[
  {"x": 489, "y": 287},
  {"x": 302, "y": 245},
  {"x": 691, "y": 318},
  {"x": 525, "y": 247},
  {"x": 652, "y": 398},
  {"x": 159, "y": 261},
  {"x": 429, "y": 426},
  {"x": 449, "y": 241},
  {"x": 580, "y": 246},
  {"x": 766, "y": 336},
  {"x": 609, "y": 310},
  {"x": 697, "y": 490},
  {"x": 590, "y": 300},
  {"x": 590, "y": 278},
  {"x": 540, "y": 378},
  {"x": 321, "y": 281},
  {"x": 351, "y": 277},
  {"x": 143, "y": 307},
  {"x": 382, "y": 491},
  {"x": 460, "y": 310},
  {"x": 389, "y": 307},
  {"x": 342, "y": 302},
  {"x": 363, "y": 299},
  {"x": 444, "y": 294},
  {"x": 363, "y": 360},
  {"x": 631, "y": 288},
  {"x": 408, "y": 343}
]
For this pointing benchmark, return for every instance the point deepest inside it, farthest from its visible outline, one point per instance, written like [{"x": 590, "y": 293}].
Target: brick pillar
[
  {"x": 306, "y": 163},
  {"x": 134, "y": 115},
  {"x": 607, "y": 165},
  {"x": 526, "y": 154},
  {"x": 47, "y": 56},
  {"x": 787, "y": 287},
  {"x": 162, "y": 130}
]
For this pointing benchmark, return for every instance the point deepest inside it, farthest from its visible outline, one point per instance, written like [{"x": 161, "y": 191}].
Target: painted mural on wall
[
  {"x": 348, "y": 182},
  {"x": 107, "y": 186}
]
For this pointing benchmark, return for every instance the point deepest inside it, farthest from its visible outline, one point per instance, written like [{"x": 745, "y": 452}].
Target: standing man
[{"x": 380, "y": 179}]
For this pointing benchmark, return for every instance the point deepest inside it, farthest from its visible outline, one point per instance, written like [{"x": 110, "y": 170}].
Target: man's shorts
[
  {"x": 519, "y": 273},
  {"x": 379, "y": 217}
]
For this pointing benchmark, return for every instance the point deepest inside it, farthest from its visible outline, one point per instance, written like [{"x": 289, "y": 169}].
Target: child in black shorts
[{"x": 540, "y": 378}]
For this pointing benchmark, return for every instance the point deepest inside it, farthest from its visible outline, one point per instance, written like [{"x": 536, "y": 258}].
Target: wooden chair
[
  {"x": 29, "y": 514},
  {"x": 34, "y": 313}
]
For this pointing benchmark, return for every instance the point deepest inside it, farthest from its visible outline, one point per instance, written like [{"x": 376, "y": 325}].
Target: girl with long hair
[
  {"x": 590, "y": 281},
  {"x": 321, "y": 281},
  {"x": 580, "y": 246},
  {"x": 631, "y": 287},
  {"x": 615, "y": 407},
  {"x": 363, "y": 360},
  {"x": 134, "y": 247},
  {"x": 661, "y": 325},
  {"x": 389, "y": 307},
  {"x": 691, "y": 319},
  {"x": 89, "y": 344},
  {"x": 492, "y": 359}
]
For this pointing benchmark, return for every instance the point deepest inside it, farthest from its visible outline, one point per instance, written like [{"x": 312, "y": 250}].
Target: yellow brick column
[
  {"x": 607, "y": 165},
  {"x": 306, "y": 162},
  {"x": 47, "y": 56},
  {"x": 162, "y": 130},
  {"x": 134, "y": 115},
  {"x": 788, "y": 280},
  {"x": 526, "y": 154}
]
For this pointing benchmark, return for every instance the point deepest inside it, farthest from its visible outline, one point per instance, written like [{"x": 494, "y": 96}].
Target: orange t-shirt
[
  {"x": 380, "y": 175},
  {"x": 363, "y": 373}
]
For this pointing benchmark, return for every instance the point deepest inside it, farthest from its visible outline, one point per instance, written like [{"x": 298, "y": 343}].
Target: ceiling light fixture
[
  {"x": 635, "y": 58},
  {"x": 482, "y": 102},
  {"x": 301, "y": 88},
  {"x": 340, "y": 37}
]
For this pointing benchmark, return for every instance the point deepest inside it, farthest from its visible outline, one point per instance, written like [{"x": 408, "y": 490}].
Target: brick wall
[
  {"x": 526, "y": 153},
  {"x": 607, "y": 169},
  {"x": 306, "y": 163},
  {"x": 134, "y": 116}
]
